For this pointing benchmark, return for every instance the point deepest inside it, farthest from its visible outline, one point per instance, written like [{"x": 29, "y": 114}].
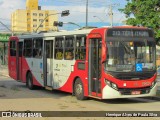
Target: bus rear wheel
[
  {"x": 79, "y": 90},
  {"x": 29, "y": 82}
]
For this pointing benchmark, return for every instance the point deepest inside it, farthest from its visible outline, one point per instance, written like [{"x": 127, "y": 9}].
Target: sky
[{"x": 98, "y": 11}]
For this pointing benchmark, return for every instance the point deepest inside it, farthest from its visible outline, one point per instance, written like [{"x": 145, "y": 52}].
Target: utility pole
[
  {"x": 110, "y": 13},
  {"x": 86, "y": 13}
]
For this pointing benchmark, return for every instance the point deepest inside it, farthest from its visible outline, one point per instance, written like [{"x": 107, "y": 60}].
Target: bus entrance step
[
  {"x": 95, "y": 97},
  {"x": 48, "y": 88}
]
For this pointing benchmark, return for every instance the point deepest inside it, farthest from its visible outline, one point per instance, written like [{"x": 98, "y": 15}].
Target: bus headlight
[
  {"x": 114, "y": 86},
  {"x": 153, "y": 84},
  {"x": 108, "y": 82},
  {"x": 111, "y": 84}
]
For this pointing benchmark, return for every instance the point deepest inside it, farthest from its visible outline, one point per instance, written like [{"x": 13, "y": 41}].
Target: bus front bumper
[{"x": 110, "y": 93}]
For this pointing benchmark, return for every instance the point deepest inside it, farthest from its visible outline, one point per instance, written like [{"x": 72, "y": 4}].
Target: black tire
[
  {"x": 29, "y": 82},
  {"x": 79, "y": 90}
]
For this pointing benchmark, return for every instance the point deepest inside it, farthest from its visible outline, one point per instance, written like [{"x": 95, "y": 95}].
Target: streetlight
[
  {"x": 99, "y": 18},
  {"x": 63, "y": 13}
]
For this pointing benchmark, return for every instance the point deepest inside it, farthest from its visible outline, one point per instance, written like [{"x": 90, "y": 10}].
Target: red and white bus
[{"x": 103, "y": 63}]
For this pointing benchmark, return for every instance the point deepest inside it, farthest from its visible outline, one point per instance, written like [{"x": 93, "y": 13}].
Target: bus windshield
[{"x": 134, "y": 56}]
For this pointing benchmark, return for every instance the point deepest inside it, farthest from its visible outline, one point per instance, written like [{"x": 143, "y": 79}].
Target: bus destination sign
[{"x": 129, "y": 33}]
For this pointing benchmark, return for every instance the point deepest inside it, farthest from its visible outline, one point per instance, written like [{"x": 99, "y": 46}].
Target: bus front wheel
[
  {"x": 29, "y": 82},
  {"x": 79, "y": 90}
]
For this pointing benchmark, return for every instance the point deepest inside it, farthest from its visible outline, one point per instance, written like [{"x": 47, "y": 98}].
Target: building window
[
  {"x": 59, "y": 48},
  {"x": 27, "y": 48},
  {"x": 47, "y": 20},
  {"x": 35, "y": 20},
  {"x": 69, "y": 48},
  {"x": 40, "y": 14},
  {"x": 34, "y": 14},
  {"x": 34, "y": 25},
  {"x": 28, "y": 25},
  {"x": 40, "y": 20},
  {"x": 28, "y": 14}
]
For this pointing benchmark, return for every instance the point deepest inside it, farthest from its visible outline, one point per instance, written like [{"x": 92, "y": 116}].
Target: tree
[{"x": 144, "y": 13}]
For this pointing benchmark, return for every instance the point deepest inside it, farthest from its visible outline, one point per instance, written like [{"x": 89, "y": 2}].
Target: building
[{"x": 29, "y": 19}]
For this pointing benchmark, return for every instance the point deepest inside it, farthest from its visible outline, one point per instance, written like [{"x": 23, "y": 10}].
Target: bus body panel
[
  {"x": 76, "y": 73},
  {"x": 36, "y": 71},
  {"x": 63, "y": 73},
  {"x": 12, "y": 67}
]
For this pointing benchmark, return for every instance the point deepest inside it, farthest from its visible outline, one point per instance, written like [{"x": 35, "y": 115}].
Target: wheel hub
[{"x": 79, "y": 89}]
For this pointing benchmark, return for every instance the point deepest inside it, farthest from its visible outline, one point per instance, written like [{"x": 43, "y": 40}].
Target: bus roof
[
  {"x": 59, "y": 33},
  {"x": 74, "y": 32}
]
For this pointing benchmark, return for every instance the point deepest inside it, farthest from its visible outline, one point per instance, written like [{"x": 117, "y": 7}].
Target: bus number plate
[{"x": 136, "y": 92}]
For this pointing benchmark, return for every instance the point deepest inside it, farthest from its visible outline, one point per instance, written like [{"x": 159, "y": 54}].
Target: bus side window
[
  {"x": 58, "y": 52},
  {"x": 12, "y": 48},
  {"x": 37, "y": 47},
  {"x": 80, "y": 48},
  {"x": 20, "y": 48},
  {"x": 27, "y": 48},
  {"x": 69, "y": 48}
]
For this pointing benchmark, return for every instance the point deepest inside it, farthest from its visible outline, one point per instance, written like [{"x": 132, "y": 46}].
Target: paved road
[{"x": 15, "y": 96}]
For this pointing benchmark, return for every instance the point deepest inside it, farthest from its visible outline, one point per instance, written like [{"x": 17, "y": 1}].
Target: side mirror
[{"x": 104, "y": 52}]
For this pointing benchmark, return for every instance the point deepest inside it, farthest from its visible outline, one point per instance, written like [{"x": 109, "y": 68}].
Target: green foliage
[{"x": 143, "y": 13}]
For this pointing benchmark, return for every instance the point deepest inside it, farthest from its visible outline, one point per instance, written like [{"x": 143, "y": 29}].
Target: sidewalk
[{"x": 4, "y": 70}]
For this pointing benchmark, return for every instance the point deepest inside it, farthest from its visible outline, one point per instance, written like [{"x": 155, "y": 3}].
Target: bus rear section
[{"x": 20, "y": 60}]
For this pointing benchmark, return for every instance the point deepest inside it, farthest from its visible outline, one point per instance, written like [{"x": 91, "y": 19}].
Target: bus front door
[
  {"x": 94, "y": 73},
  {"x": 48, "y": 63}
]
